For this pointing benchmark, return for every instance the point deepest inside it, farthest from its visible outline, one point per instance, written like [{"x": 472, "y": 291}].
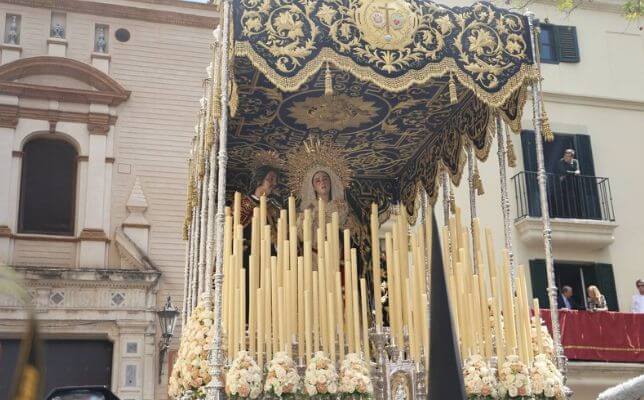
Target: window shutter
[
  {"x": 529, "y": 150},
  {"x": 567, "y": 45},
  {"x": 539, "y": 281},
  {"x": 606, "y": 284}
]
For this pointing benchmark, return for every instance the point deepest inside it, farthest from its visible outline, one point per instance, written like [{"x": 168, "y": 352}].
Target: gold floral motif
[{"x": 337, "y": 112}]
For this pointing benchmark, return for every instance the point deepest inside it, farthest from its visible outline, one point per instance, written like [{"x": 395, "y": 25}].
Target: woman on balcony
[{"x": 596, "y": 300}]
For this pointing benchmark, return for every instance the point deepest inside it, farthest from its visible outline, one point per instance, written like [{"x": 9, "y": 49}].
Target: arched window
[{"x": 48, "y": 187}]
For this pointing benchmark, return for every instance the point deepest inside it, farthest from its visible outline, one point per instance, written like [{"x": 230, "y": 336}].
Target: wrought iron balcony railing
[{"x": 569, "y": 196}]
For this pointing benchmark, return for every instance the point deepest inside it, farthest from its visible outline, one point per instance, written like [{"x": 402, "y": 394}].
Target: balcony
[{"x": 581, "y": 210}]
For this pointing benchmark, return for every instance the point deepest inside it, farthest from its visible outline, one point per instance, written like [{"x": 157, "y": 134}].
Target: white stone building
[
  {"x": 594, "y": 98},
  {"x": 98, "y": 100}
]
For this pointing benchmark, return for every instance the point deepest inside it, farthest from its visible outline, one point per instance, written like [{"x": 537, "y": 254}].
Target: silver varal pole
[
  {"x": 210, "y": 249},
  {"x": 470, "y": 181},
  {"x": 215, "y": 388},
  {"x": 505, "y": 199},
  {"x": 543, "y": 199}
]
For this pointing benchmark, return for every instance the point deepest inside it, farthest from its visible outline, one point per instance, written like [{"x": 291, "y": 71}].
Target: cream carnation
[
  {"x": 191, "y": 370},
  {"x": 355, "y": 377},
  {"x": 480, "y": 382},
  {"x": 321, "y": 377},
  {"x": 282, "y": 379},
  {"x": 244, "y": 378},
  {"x": 547, "y": 381},
  {"x": 514, "y": 379}
]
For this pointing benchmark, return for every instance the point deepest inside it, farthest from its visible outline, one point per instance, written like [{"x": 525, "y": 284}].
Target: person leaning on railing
[{"x": 596, "y": 300}]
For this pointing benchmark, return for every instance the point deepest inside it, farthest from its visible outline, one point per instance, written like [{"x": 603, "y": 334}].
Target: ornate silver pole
[
  {"x": 214, "y": 71},
  {"x": 193, "y": 251},
  {"x": 203, "y": 216},
  {"x": 543, "y": 199},
  {"x": 445, "y": 186},
  {"x": 186, "y": 274},
  {"x": 470, "y": 181},
  {"x": 215, "y": 389},
  {"x": 505, "y": 200}
]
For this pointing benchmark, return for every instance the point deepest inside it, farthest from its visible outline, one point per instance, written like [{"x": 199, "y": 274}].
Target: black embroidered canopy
[{"x": 400, "y": 85}]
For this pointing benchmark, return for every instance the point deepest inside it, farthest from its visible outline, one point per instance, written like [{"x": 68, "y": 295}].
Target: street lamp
[{"x": 167, "y": 319}]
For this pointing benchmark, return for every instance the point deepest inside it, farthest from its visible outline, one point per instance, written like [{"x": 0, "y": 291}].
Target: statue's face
[
  {"x": 269, "y": 182},
  {"x": 321, "y": 183}
]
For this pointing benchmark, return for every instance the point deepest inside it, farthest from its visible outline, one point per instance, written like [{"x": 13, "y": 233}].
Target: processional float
[{"x": 390, "y": 99}]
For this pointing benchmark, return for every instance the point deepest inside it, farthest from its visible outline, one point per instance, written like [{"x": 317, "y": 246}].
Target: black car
[{"x": 81, "y": 393}]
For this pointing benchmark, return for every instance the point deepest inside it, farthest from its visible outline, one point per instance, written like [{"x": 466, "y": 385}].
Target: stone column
[
  {"x": 8, "y": 123},
  {"x": 93, "y": 237}
]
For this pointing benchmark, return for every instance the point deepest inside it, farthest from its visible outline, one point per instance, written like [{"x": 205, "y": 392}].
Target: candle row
[{"x": 491, "y": 310}]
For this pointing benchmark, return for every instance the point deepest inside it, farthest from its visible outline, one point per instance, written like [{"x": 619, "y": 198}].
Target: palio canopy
[{"x": 401, "y": 85}]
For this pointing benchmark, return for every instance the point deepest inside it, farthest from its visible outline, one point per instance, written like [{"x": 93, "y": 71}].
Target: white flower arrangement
[
  {"x": 244, "y": 378},
  {"x": 355, "y": 378},
  {"x": 514, "y": 379},
  {"x": 190, "y": 371},
  {"x": 547, "y": 381},
  {"x": 321, "y": 377},
  {"x": 282, "y": 379},
  {"x": 548, "y": 343},
  {"x": 480, "y": 380}
]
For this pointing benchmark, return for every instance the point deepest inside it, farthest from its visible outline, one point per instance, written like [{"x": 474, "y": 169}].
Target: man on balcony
[
  {"x": 565, "y": 300},
  {"x": 568, "y": 171}
]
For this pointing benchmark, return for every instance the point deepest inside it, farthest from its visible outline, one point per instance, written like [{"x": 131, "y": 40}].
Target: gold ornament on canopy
[{"x": 268, "y": 158}]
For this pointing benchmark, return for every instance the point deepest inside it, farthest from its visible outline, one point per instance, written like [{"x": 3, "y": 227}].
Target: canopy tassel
[
  {"x": 477, "y": 181},
  {"x": 548, "y": 136},
  {"x": 328, "y": 81},
  {"x": 453, "y": 98},
  {"x": 452, "y": 200},
  {"x": 512, "y": 157}
]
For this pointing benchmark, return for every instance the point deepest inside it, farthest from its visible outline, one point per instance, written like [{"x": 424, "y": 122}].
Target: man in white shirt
[{"x": 638, "y": 299}]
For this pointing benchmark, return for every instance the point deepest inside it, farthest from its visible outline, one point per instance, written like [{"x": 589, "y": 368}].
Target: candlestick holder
[{"x": 421, "y": 374}]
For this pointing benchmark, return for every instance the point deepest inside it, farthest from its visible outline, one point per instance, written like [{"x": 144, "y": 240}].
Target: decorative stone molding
[
  {"x": 130, "y": 255},
  {"x": 582, "y": 234},
  {"x": 17, "y": 153},
  {"x": 109, "y": 160},
  {"x": 5, "y": 231},
  {"x": 8, "y": 116},
  {"x": 136, "y": 204},
  {"x": 98, "y": 124},
  {"x": 108, "y": 91},
  {"x": 43, "y": 238},
  {"x": 82, "y": 158},
  {"x": 93, "y": 235},
  {"x": 91, "y": 289},
  {"x": 128, "y": 12},
  {"x": 11, "y": 114}
]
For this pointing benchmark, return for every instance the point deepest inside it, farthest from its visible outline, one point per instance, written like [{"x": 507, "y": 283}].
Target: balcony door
[
  {"x": 568, "y": 197},
  {"x": 577, "y": 275}
]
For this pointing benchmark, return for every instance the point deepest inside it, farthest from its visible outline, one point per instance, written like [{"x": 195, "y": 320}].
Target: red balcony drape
[{"x": 600, "y": 336}]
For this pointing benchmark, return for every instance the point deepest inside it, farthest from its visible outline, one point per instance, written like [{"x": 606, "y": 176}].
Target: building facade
[
  {"x": 592, "y": 62},
  {"x": 98, "y": 101}
]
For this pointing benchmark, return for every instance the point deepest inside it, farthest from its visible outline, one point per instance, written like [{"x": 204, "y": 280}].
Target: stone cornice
[
  {"x": 593, "y": 101},
  {"x": 5, "y": 231},
  {"x": 93, "y": 235},
  {"x": 97, "y": 123},
  {"x": 88, "y": 277},
  {"x": 126, "y": 12}
]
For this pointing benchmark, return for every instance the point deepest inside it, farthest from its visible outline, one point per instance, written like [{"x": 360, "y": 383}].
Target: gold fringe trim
[
  {"x": 477, "y": 181},
  {"x": 546, "y": 131},
  {"x": 526, "y": 74},
  {"x": 452, "y": 201},
  {"x": 512, "y": 157}
]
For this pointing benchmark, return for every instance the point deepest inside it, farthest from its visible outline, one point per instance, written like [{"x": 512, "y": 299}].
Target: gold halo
[
  {"x": 315, "y": 153},
  {"x": 268, "y": 158}
]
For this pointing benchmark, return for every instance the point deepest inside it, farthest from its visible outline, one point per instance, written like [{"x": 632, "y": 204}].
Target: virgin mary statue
[{"x": 318, "y": 171}]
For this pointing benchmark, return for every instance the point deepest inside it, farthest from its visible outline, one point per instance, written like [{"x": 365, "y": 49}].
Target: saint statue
[{"x": 266, "y": 169}]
